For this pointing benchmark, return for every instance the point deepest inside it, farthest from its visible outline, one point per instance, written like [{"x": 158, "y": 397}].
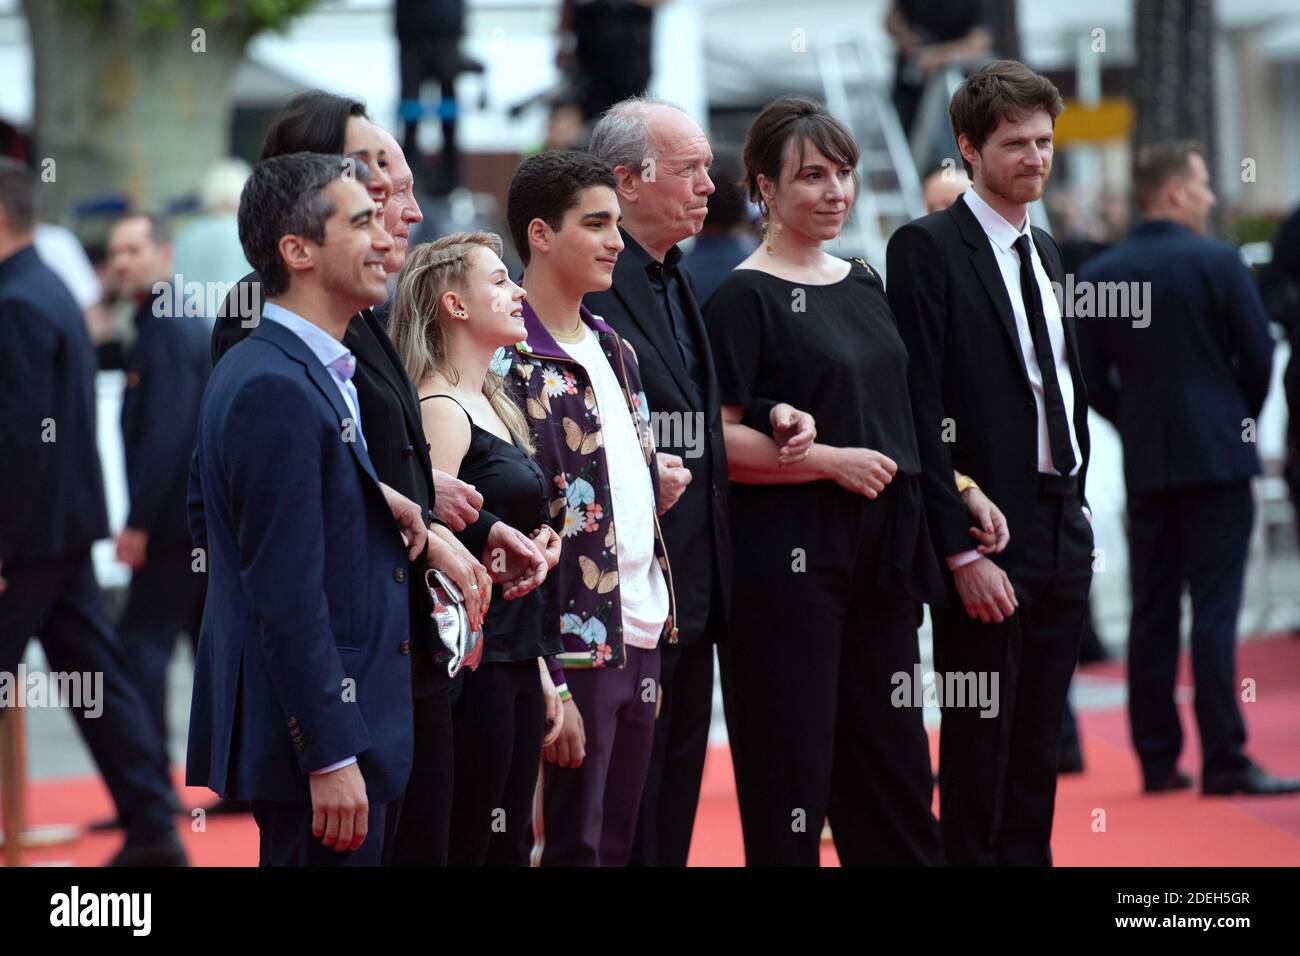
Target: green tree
[{"x": 132, "y": 95}]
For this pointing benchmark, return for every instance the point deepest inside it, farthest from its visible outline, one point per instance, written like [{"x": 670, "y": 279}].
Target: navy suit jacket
[
  {"x": 166, "y": 370},
  {"x": 51, "y": 491},
  {"x": 303, "y": 659},
  {"x": 1180, "y": 389}
]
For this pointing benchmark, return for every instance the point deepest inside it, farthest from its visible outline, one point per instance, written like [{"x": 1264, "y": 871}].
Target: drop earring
[{"x": 770, "y": 231}]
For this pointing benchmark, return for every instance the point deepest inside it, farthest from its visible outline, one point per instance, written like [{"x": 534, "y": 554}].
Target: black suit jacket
[
  {"x": 966, "y": 369},
  {"x": 390, "y": 418},
  {"x": 51, "y": 489},
  {"x": 1179, "y": 389},
  {"x": 166, "y": 371},
  {"x": 696, "y": 529}
]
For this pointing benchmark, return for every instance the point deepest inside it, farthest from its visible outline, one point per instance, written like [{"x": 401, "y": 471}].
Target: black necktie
[
  {"x": 1058, "y": 423},
  {"x": 667, "y": 285}
]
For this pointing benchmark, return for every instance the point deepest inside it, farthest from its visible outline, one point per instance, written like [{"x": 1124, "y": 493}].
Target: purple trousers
[{"x": 589, "y": 813}]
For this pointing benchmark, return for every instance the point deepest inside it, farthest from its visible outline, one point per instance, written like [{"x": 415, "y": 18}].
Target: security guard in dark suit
[
  {"x": 51, "y": 511},
  {"x": 1184, "y": 384},
  {"x": 166, "y": 370}
]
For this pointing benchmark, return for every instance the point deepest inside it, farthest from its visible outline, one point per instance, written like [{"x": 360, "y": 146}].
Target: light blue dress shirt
[
  {"x": 341, "y": 364},
  {"x": 333, "y": 354}
]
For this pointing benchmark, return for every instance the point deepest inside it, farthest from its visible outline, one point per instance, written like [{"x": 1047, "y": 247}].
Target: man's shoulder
[
  {"x": 935, "y": 229},
  {"x": 36, "y": 288}
]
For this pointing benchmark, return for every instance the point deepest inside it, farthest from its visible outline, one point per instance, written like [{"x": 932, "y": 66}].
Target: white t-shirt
[{"x": 642, "y": 590}]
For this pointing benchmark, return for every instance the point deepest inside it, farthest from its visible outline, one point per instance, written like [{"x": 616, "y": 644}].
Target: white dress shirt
[
  {"x": 341, "y": 364},
  {"x": 642, "y": 592},
  {"x": 1002, "y": 238}
]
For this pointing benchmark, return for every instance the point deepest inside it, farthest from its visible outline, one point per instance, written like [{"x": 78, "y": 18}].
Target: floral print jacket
[{"x": 556, "y": 394}]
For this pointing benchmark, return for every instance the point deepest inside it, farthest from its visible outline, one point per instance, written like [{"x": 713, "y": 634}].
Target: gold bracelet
[{"x": 965, "y": 482}]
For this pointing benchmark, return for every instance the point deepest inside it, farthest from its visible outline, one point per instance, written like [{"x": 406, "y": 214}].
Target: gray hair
[{"x": 622, "y": 136}]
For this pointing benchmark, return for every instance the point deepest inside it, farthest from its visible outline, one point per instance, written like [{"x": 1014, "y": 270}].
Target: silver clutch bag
[{"x": 452, "y": 622}]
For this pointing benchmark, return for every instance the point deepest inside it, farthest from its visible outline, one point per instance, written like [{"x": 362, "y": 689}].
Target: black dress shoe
[
  {"x": 1070, "y": 761},
  {"x": 165, "y": 852},
  {"x": 1177, "y": 780},
  {"x": 1254, "y": 780}
]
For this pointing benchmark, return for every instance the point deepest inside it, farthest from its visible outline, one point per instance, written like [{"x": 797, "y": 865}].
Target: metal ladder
[{"x": 856, "y": 87}]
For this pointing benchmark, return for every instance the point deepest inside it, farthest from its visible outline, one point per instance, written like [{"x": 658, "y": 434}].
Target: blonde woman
[{"x": 454, "y": 308}]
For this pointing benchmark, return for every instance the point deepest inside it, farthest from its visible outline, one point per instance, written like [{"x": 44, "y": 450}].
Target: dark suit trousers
[
  {"x": 672, "y": 789},
  {"x": 284, "y": 831},
  {"x": 59, "y": 602},
  {"x": 997, "y": 775},
  {"x": 419, "y": 822},
  {"x": 1198, "y": 536},
  {"x": 165, "y": 599},
  {"x": 589, "y": 812}
]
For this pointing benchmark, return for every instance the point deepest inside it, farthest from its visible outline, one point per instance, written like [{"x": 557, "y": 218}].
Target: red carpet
[{"x": 1169, "y": 830}]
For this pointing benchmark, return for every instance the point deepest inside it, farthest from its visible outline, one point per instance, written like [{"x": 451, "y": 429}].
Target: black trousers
[
  {"x": 997, "y": 775},
  {"x": 165, "y": 599},
  {"x": 1198, "y": 538},
  {"x": 59, "y": 602},
  {"x": 498, "y": 724},
  {"x": 672, "y": 789},
  {"x": 807, "y": 683},
  {"x": 417, "y": 824},
  {"x": 285, "y": 837}
]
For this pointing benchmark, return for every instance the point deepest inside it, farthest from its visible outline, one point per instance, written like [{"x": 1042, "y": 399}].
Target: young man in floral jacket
[{"x": 579, "y": 385}]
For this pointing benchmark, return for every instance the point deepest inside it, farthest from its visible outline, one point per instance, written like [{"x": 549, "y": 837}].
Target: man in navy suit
[
  {"x": 166, "y": 369},
  {"x": 302, "y": 688},
  {"x": 1184, "y": 384},
  {"x": 51, "y": 511}
]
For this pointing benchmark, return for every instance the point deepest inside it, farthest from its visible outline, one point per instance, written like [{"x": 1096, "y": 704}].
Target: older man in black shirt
[{"x": 662, "y": 158}]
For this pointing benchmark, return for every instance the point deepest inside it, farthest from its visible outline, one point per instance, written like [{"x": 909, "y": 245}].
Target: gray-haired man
[{"x": 661, "y": 158}]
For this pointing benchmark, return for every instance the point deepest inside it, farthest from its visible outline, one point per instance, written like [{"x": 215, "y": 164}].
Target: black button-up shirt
[{"x": 670, "y": 292}]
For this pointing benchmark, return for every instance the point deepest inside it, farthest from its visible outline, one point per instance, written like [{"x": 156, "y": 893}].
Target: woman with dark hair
[
  {"x": 390, "y": 414},
  {"x": 833, "y": 557}
]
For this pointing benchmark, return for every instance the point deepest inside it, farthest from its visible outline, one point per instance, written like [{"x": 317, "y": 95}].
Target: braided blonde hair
[{"x": 417, "y": 317}]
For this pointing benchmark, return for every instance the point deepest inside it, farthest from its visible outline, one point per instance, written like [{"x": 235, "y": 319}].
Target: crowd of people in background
[{"x": 626, "y": 459}]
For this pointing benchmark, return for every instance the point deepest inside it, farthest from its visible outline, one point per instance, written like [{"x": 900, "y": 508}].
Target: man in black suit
[
  {"x": 166, "y": 370},
  {"x": 998, "y": 395},
  {"x": 661, "y": 158},
  {"x": 1184, "y": 383},
  {"x": 51, "y": 511}
]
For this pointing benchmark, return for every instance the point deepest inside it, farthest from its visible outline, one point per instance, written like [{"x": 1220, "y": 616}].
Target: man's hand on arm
[
  {"x": 454, "y": 502},
  {"x": 674, "y": 476},
  {"x": 410, "y": 519}
]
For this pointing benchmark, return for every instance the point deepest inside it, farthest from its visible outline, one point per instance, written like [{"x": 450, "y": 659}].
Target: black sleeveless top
[{"x": 513, "y": 489}]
